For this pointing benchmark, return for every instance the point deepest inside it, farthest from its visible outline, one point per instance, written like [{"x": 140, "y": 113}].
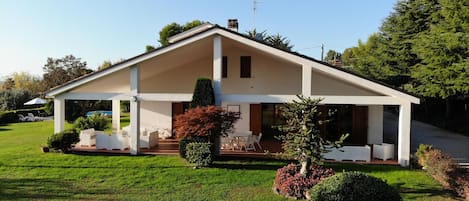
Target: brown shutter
[
  {"x": 360, "y": 125},
  {"x": 255, "y": 119}
]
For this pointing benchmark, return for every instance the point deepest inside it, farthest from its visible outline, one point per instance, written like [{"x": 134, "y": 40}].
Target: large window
[{"x": 245, "y": 67}]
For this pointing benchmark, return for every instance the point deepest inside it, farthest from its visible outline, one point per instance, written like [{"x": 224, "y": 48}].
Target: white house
[{"x": 246, "y": 74}]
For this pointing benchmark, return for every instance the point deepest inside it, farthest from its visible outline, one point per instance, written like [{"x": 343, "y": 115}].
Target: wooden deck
[{"x": 171, "y": 147}]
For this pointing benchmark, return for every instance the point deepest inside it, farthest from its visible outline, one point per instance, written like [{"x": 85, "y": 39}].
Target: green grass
[{"x": 28, "y": 174}]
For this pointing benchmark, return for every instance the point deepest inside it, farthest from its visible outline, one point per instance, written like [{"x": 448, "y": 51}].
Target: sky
[{"x": 99, "y": 30}]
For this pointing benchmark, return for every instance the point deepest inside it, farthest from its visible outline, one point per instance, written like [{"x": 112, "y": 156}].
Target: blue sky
[{"x": 98, "y": 30}]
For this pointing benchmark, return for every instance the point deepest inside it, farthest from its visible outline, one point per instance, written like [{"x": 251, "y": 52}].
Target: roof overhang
[{"x": 205, "y": 32}]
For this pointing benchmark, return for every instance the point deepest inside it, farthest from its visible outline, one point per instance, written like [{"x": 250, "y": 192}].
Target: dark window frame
[
  {"x": 224, "y": 67},
  {"x": 245, "y": 66}
]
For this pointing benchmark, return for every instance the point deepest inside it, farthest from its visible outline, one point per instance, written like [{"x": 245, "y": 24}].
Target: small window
[
  {"x": 224, "y": 67},
  {"x": 245, "y": 67}
]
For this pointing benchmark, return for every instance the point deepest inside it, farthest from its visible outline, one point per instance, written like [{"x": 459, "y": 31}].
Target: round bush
[
  {"x": 200, "y": 154},
  {"x": 355, "y": 186},
  {"x": 63, "y": 141},
  {"x": 290, "y": 183}
]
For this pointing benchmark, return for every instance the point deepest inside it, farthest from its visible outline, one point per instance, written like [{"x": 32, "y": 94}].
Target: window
[
  {"x": 224, "y": 67},
  {"x": 245, "y": 67}
]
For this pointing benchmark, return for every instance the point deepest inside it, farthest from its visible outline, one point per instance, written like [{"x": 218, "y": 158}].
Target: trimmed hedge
[
  {"x": 184, "y": 141},
  {"x": 355, "y": 186},
  {"x": 63, "y": 141},
  {"x": 199, "y": 153},
  {"x": 8, "y": 117}
]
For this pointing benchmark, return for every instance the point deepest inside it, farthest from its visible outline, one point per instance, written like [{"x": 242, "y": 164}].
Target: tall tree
[
  {"x": 8, "y": 84},
  {"x": 59, "y": 71},
  {"x": 332, "y": 56},
  {"x": 444, "y": 49},
  {"x": 280, "y": 41},
  {"x": 203, "y": 93},
  {"x": 27, "y": 81},
  {"x": 276, "y": 40},
  {"x": 173, "y": 29},
  {"x": 105, "y": 64}
]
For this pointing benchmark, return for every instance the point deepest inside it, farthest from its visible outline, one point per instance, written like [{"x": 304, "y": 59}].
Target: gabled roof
[{"x": 207, "y": 30}]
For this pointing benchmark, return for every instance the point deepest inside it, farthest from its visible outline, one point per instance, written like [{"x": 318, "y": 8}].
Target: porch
[{"x": 270, "y": 151}]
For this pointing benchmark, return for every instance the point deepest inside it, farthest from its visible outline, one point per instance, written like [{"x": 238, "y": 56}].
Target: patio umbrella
[{"x": 36, "y": 101}]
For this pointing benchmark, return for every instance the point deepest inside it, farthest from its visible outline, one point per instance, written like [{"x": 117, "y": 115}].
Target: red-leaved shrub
[
  {"x": 444, "y": 169},
  {"x": 291, "y": 183},
  {"x": 204, "y": 121}
]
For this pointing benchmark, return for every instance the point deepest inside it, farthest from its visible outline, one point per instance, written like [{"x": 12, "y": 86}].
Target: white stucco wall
[
  {"x": 269, "y": 75},
  {"x": 322, "y": 84},
  {"x": 243, "y": 123},
  {"x": 375, "y": 124},
  {"x": 118, "y": 82},
  {"x": 155, "y": 114}
]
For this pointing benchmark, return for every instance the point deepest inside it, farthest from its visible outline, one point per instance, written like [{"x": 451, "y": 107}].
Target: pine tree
[
  {"x": 203, "y": 93},
  {"x": 303, "y": 140}
]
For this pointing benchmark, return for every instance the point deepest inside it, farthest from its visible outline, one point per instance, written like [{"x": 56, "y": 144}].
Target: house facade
[{"x": 248, "y": 76}]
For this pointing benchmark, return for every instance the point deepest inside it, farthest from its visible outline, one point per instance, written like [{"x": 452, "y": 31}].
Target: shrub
[
  {"x": 355, "y": 186},
  {"x": 204, "y": 121},
  {"x": 13, "y": 99},
  {"x": 96, "y": 121},
  {"x": 291, "y": 183},
  {"x": 63, "y": 141},
  {"x": 200, "y": 153},
  {"x": 8, "y": 117},
  {"x": 184, "y": 141},
  {"x": 444, "y": 169},
  {"x": 203, "y": 93}
]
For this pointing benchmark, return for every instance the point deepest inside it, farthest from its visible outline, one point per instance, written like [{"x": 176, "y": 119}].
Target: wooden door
[
  {"x": 177, "y": 109},
  {"x": 255, "y": 118},
  {"x": 360, "y": 125}
]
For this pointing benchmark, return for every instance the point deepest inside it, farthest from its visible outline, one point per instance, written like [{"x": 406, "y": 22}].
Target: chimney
[{"x": 233, "y": 24}]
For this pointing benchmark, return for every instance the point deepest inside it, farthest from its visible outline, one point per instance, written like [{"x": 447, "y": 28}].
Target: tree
[
  {"x": 302, "y": 140},
  {"x": 173, "y": 29},
  {"x": 280, "y": 42},
  {"x": 8, "y": 84},
  {"x": 13, "y": 99},
  {"x": 203, "y": 93},
  {"x": 276, "y": 40},
  {"x": 27, "y": 81},
  {"x": 332, "y": 57},
  {"x": 149, "y": 48},
  {"x": 60, "y": 71},
  {"x": 105, "y": 64}
]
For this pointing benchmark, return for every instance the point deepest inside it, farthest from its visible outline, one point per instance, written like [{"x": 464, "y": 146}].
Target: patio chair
[
  {"x": 257, "y": 140},
  {"x": 87, "y": 137},
  {"x": 245, "y": 142},
  {"x": 226, "y": 142}
]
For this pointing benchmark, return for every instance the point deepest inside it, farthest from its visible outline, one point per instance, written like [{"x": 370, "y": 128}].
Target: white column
[
  {"x": 403, "y": 150},
  {"x": 134, "y": 110},
  {"x": 306, "y": 80},
  {"x": 217, "y": 68},
  {"x": 375, "y": 124},
  {"x": 116, "y": 116},
  {"x": 59, "y": 114}
]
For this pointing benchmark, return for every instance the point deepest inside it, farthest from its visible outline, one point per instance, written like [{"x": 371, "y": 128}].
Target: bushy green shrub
[
  {"x": 13, "y": 99},
  {"x": 289, "y": 182},
  {"x": 199, "y": 153},
  {"x": 355, "y": 186},
  {"x": 8, "y": 117},
  {"x": 96, "y": 121},
  {"x": 63, "y": 141},
  {"x": 184, "y": 141}
]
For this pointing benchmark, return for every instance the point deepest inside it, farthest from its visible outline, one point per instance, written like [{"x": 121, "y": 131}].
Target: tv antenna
[{"x": 254, "y": 9}]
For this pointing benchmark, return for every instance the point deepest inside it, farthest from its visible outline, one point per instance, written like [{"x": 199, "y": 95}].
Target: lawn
[{"x": 28, "y": 174}]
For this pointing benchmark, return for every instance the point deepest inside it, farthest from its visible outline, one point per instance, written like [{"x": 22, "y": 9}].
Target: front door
[{"x": 255, "y": 118}]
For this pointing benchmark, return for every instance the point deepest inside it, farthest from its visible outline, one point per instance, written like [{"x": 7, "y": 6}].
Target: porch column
[
  {"x": 59, "y": 114},
  {"x": 403, "y": 147},
  {"x": 116, "y": 115},
  {"x": 306, "y": 80},
  {"x": 217, "y": 68},
  {"x": 375, "y": 124},
  {"x": 134, "y": 110}
]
